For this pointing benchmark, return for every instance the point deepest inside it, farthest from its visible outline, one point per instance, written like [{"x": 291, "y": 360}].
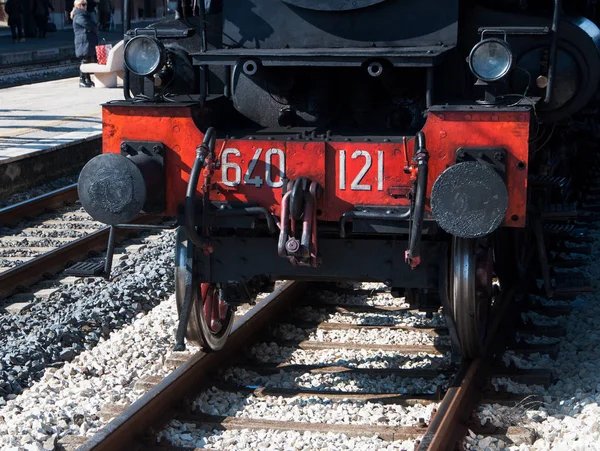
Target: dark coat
[
  {"x": 14, "y": 9},
  {"x": 42, "y": 8},
  {"x": 86, "y": 33}
]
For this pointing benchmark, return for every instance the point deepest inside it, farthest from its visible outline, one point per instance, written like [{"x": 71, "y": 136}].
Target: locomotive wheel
[
  {"x": 470, "y": 292},
  {"x": 211, "y": 318}
]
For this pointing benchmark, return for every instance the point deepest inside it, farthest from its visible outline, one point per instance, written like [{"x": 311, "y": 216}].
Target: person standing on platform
[
  {"x": 86, "y": 38},
  {"x": 41, "y": 13},
  {"x": 14, "y": 9},
  {"x": 91, "y": 8},
  {"x": 104, "y": 8}
]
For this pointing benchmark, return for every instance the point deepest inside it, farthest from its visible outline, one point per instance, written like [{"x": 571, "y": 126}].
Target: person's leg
[
  {"x": 20, "y": 29},
  {"x": 41, "y": 26},
  {"x": 85, "y": 80},
  {"x": 13, "y": 31}
]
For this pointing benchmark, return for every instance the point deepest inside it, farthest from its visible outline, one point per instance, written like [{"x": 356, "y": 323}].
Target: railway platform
[
  {"x": 48, "y": 130},
  {"x": 56, "y": 45},
  {"x": 49, "y": 127}
]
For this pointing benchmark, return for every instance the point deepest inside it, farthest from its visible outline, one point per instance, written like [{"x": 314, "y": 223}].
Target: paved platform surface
[
  {"x": 38, "y": 117},
  {"x": 41, "y": 116}
]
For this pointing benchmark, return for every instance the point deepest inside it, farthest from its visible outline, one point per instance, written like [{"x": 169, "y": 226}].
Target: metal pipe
[
  {"x": 422, "y": 157},
  {"x": 127, "y": 15},
  {"x": 110, "y": 251},
  {"x": 123, "y": 29},
  {"x": 207, "y": 146},
  {"x": 429, "y": 88},
  {"x": 126, "y": 26},
  {"x": 126, "y": 91},
  {"x": 285, "y": 225},
  {"x": 203, "y": 47},
  {"x": 553, "y": 50},
  {"x": 307, "y": 224},
  {"x": 227, "y": 82}
]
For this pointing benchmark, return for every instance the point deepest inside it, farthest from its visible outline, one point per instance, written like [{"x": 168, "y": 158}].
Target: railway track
[
  {"x": 309, "y": 331},
  {"x": 449, "y": 392},
  {"x": 36, "y": 72},
  {"x": 375, "y": 330},
  {"x": 42, "y": 236}
]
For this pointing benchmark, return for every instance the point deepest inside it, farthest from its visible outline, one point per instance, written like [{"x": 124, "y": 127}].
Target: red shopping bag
[{"x": 102, "y": 52}]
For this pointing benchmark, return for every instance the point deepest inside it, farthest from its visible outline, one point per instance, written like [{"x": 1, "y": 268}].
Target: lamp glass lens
[
  {"x": 490, "y": 61},
  {"x": 142, "y": 56}
]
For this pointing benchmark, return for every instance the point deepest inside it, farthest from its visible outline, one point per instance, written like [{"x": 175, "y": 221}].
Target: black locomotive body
[{"x": 398, "y": 141}]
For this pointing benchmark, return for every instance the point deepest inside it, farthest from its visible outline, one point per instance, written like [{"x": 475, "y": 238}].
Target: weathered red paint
[{"x": 445, "y": 132}]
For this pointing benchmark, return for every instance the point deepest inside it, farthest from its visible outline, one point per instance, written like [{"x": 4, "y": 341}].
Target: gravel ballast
[
  {"x": 67, "y": 400},
  {"x": 188, "y": 435},
  {"x": 568, "y": 418},
  {"x": 353, "y": 358},
  {"x": 134, "y": 335},
  {"x": 74, "y": 318},
  {"x": 309, "y": 409}
]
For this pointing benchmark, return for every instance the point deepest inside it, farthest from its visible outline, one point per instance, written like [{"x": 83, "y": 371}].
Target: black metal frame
[
  {"x": 342, "y": 57},
  {"x": 366, "y": 259}
]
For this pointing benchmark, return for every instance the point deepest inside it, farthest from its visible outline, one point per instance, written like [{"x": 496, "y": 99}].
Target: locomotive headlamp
[
  {"x": 144, "y": 55},
  {"x": 491, "y": 59}
]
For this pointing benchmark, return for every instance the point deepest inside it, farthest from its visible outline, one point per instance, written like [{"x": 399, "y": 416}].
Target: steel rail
[
  {"x": 448, "y": 426},
  {"x": 32, "y": 271},
  {"x": 56, "y": 260},
  {"x": 13, "y": 214},
  {"x": 129, "y": 430}
]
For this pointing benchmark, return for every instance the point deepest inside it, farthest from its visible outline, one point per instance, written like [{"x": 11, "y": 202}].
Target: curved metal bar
[
  {"x": 207, "y": 146},
  {"x": 307, "y": 225},
  {"x": 422, "y": 157},
  {"x": 285, "y": 225}
]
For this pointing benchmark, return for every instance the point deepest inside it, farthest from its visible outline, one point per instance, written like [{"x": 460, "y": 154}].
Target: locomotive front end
[{"x": 342, "y": 148}]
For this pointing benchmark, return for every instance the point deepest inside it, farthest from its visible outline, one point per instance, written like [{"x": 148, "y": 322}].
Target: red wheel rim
[{"x": 215, "y": 309}]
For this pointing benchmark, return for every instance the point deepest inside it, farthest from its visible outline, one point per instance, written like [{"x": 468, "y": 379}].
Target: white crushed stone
[
  {"x": 365, "y": 336},
  {"x": 568, "y": 419},
  {"x": 549, "y": 302},
  {"x": 185, "y": 434},
  {"x": 530, "y": 361},
  {"x": 541, "y": 320},
  {"x": 309, "y": 409},
  {"x": 376, "y": 299},
  {"x": 394, "y": 318},
  {"x": 67, "y": 400},
  {"x": 341, "y": 382},
  {"x": 354, "y": 358}
]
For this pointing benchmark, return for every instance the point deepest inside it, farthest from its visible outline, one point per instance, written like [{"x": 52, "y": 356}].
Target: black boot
[
  {"x": 83, "y": 82},
  {"x": 88, "y": 80}
]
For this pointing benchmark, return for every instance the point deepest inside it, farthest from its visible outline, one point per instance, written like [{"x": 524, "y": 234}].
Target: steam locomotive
[{"x": 399, "y": 141}]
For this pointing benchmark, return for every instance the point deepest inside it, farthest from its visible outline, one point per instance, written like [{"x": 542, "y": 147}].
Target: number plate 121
[{"x": 359, "y": 174}]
